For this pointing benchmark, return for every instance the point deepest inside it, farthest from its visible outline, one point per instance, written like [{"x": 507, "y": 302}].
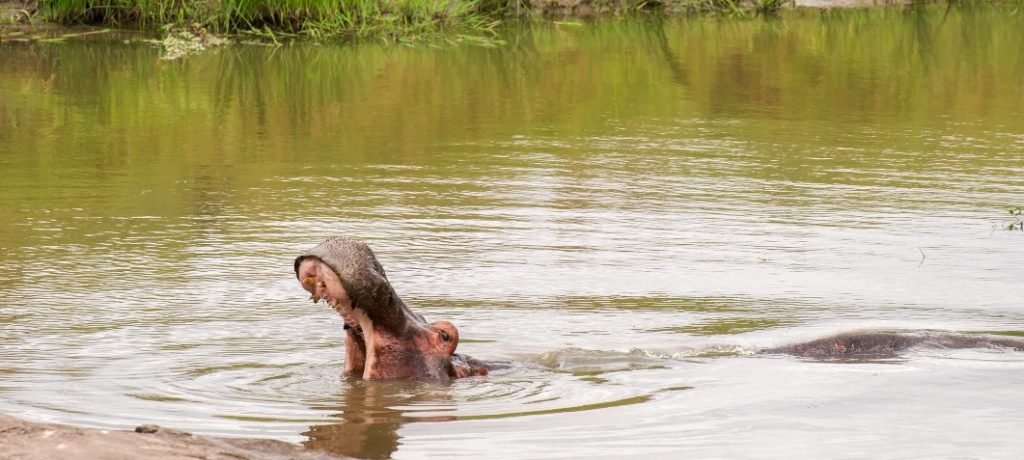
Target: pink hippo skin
[{"x": 384, "y": 339}]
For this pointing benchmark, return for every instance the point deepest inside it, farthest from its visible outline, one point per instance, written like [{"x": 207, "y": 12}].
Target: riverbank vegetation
[
  {"x": 388, "y": 19},
  {"x": 321, "y": 19}
]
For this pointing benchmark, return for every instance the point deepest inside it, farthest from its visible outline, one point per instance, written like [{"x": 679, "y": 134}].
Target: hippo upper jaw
[{"x": 349, "y": 273}]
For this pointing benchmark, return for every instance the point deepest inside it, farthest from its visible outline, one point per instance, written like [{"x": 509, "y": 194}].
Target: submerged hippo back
[{"x": 880, "y": 344}]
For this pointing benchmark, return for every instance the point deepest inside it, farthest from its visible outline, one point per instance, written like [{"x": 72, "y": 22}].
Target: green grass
[
  {"x": 323, "y": 19},
  {"x": 145, "y": 13},
  {"x": 357, "y": 18},
  {"x": 314, "y": 18}
]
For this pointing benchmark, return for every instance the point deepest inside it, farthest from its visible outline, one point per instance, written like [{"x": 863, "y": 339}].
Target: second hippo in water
[
  {"x": 384, "y": 339},
  {"x": 880, "y": 344}
]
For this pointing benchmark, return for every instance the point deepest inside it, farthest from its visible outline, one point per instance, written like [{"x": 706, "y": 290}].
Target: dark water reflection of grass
[
  {"x": 310, "y": 104},
  {"x": 726, "y": 326},
  {"x": 190, "y": 131}
]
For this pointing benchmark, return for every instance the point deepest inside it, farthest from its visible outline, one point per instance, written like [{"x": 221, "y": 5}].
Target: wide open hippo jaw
[{"x": 384, "y": 338}]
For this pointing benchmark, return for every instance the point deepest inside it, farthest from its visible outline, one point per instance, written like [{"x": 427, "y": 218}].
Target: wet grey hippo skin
[
  {"x": 384, "y": 339},
  {"x": 889, "y": 344}
]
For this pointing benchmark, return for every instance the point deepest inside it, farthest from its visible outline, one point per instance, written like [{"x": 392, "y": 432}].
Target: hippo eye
[{"x": 445, "y": 337}]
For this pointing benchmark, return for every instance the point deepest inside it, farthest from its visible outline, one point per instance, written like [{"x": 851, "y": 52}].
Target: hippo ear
[{"x": 445, "y": 337}]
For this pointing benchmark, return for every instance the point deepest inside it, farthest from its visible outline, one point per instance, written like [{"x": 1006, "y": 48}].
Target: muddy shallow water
[{"x": 627, "y": 212}]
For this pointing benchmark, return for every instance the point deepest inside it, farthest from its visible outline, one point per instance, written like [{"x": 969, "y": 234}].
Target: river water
[{"x": 626, "y": 211}]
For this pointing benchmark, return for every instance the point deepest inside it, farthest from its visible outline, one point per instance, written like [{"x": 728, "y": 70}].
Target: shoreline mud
[{"x": 25, "y": 440}]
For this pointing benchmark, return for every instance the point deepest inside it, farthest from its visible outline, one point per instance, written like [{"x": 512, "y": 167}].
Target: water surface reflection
[{"x": 371, "y": 414}]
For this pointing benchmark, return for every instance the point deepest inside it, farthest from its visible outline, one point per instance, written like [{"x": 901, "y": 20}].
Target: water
[{"x": 627, "y": 212}]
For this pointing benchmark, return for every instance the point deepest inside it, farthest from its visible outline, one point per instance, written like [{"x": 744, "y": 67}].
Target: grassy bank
[
  {"x": 356, "y": 18},
  {"x": 323, "y": 19},
  {"x": 315, "y": 18}
]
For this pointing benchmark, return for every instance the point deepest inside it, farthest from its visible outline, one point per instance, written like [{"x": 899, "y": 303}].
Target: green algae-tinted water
[{"x": 626, "y": 211}]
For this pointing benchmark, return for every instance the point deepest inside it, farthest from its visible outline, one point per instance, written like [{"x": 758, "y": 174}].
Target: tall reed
[{"x": 146, "y": 13}]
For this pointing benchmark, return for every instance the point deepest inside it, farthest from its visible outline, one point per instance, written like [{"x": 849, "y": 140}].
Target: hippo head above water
[{"x": 384, "y": 338}]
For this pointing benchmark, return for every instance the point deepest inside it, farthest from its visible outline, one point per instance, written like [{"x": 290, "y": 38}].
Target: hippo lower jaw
[{"x": 378, "y": 353}]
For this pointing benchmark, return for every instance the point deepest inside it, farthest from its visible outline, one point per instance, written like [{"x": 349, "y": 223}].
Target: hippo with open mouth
[{"x": 384, "y": 339}]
